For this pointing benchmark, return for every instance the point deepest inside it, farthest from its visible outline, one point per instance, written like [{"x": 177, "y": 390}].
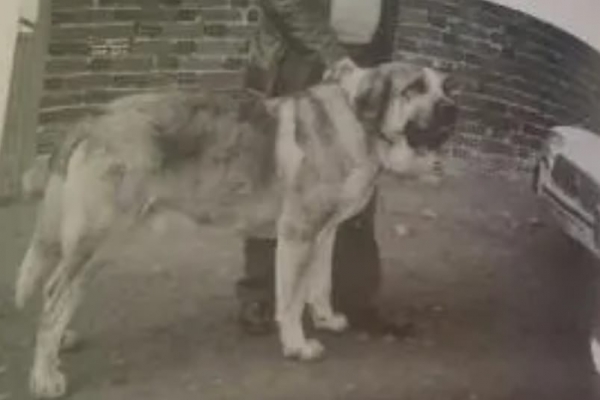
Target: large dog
[{"x": 301, "y": 164}]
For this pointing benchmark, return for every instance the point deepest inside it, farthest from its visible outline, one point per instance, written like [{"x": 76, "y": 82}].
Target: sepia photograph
[{"x": 300, "y": 199}]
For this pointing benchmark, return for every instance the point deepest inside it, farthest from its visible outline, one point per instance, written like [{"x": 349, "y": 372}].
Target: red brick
[
  {"x": 148, "y": 29},
  {"x": 171, "y": 3},
  {"x": 69, "y": 48},
  {"x": 405, "y": 44},
  {"x": 414, "y": 15},
  {"x": 144, "y": 14},
  {"x": 127, "y": 63},
  {"x": 208, "y": 80},
  {"x": 194, "y": 3},
  {"x": 216, "y": 30},
  {"x": 66, "y": 114},
  {"x": 61, "y": 99},
  {"x": 99, "y": 64},
  {"x": 196, "y": 63},
  {"x": 527, "y": 140},
  {"x": 140, "y": 80},
  {"x": 240, "y": 3},
  {"x": 102, "y": 96},
  {"x": 253, "y": 15},
  {"x": 64, "y": 65},
  {"x": 187, "y": 15},
  {"x": 82, "y": 16},
  {"x": 85, "y": 81},
  {"x": 157, "y": 46},
  {"x": 467, "y": 140},
  {"x": 60, "y": 4},
  {"x": 167, "y": 62},
  {"x": 110, "y": 47},
  {"x": 221, "y": 80},
  {"x": 184, "y": 47},
  {"x": 182, "y": 30},
  {"x": 222, "y": 46},
  {"x": 129, "y": 3},
  {"x": 496, "y": 147},
  {"x": 419, "y": 32},
  {"x": 233, "y": 63},
  {"x": 241, "y": 30},
  {"x": 221, "y": 14},
  {"x": 53, "y": 83},
  {"x": 83, "y": 32}
]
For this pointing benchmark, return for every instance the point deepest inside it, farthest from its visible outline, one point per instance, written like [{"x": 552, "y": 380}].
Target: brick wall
[
  {"x": 521, "y": 75},
  {"x": 103, "y": 49}
]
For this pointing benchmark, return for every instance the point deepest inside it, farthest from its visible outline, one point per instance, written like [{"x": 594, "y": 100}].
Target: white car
[{"x": 567, "y": 178}]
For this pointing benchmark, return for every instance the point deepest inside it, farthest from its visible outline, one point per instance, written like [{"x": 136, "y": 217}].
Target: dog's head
[{"x": 409, "y": 110}]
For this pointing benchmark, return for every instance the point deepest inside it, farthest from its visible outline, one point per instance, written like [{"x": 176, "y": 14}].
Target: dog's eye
[{"x": 416, "y": 87}]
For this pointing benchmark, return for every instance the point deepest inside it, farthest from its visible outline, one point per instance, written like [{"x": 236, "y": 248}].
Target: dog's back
[{"x": 191, "y": 151}]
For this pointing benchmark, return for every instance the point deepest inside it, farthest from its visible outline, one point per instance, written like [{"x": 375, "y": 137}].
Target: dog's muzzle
[{"x": 442, "y": 127}]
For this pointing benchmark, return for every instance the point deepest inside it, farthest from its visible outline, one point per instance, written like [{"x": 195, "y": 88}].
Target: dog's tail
[
  {"x": 35, "y": 179},
  {"x": 44, "y": 249}
]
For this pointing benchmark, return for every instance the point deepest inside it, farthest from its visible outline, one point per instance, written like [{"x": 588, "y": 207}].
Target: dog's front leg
[
  {"x": 293, "y": 259},
  {"x": 319, "y": 286}
]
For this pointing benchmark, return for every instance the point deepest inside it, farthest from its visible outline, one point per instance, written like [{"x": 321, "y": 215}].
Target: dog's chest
[
  {"x": 324, "y": 156},
  {"x": 356, "y": 191}
]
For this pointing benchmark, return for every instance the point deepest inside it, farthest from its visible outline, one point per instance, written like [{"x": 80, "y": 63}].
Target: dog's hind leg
[
  {"x": 293, "y": 257},
  {"x": 82, "y": 250},
  {"x": 88, "y": 220},
  {"x": 43, "y": 253},
  {"x": 319, "y": 285},
  {"x": 62, "y": 293},
  {"x": 41, "y": 256}
]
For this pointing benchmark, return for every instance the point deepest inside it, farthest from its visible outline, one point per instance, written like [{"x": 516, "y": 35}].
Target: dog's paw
[
  {"x": 47, "y": 383},
  {"x": 335, "y": 322},
  {"x": 310, "y": 350}
]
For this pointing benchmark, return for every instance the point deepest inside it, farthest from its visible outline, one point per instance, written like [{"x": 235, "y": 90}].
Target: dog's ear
[{"x": 373, "y": 99}]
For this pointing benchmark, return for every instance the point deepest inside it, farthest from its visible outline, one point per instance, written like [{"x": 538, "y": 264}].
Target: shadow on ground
[{"x": 501, "y": 300}]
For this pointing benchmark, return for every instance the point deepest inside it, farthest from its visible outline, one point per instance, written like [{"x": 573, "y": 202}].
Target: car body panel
[
  {"x": 581, "y": 147},
  {"x": 579, "y": 150}
]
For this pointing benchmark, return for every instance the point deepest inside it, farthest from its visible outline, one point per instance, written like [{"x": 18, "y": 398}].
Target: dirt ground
[{"x": 501, "y": 301}]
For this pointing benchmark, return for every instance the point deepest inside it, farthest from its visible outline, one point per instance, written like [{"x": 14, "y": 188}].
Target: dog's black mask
[
  {"x": 428, "y": 132},
  {"x": 442, "y": 127}
]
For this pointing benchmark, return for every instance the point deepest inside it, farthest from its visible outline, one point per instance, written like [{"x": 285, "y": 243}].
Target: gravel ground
[{"x": 501, "y": 301}]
